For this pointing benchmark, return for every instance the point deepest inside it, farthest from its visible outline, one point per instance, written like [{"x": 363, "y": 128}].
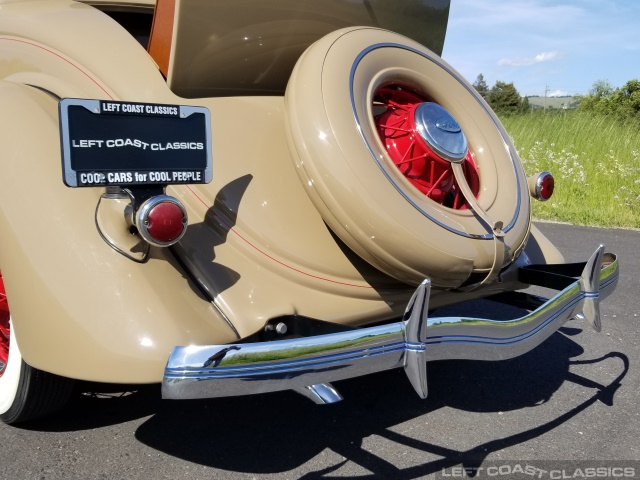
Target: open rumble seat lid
[{"x": 249, "y": 47}]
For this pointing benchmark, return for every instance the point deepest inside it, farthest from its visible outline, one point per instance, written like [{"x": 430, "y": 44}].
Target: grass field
[{"x": 595, "y": 161}]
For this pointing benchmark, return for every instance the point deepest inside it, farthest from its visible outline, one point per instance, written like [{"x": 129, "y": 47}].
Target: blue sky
[{"x": 560, "y": 45}]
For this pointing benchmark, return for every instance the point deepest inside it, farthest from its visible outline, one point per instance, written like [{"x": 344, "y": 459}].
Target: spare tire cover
[{"x": 333, "y": 115}]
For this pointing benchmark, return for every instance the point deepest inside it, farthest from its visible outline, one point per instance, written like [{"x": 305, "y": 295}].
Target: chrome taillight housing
[
  {"x": 541, "y": 186},
  {"x": 161, "y": 220}
]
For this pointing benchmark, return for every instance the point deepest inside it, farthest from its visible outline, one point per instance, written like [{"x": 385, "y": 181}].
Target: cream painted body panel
[
  {"x": 255, "y": 241},
  {"x": 79, "y": 308}
]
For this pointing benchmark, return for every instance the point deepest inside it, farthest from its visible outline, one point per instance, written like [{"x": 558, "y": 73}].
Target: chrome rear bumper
[{"x": 307, "y": 365}]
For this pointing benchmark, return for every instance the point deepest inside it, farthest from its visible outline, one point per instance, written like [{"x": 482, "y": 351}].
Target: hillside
[{"x": 560, "y": 103}]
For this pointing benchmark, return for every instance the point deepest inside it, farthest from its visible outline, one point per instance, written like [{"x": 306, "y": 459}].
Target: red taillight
[
  {"x": 541, "y": 186},
  {"x": 165, "y": 222},
  {"x": 161, "y": 220}
]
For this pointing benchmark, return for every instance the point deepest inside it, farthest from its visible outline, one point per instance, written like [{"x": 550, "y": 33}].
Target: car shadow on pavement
[
  {"x": 96, "y": 405},
  {"x": 274, "y": 433},
  {"x": 278, "y": 432}
]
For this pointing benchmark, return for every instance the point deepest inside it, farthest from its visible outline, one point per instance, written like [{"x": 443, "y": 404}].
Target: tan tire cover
[{"x": 361, "y": 194}]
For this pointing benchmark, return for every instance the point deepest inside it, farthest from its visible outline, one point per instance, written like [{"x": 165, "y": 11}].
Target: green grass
[{"x": 595, "y": 161}]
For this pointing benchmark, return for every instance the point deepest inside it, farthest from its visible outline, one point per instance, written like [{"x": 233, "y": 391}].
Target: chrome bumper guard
[{"x": 307, "y": 365}]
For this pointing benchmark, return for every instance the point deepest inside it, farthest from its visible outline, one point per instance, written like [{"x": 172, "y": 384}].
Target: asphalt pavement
[{"x": 569, "y": 405}]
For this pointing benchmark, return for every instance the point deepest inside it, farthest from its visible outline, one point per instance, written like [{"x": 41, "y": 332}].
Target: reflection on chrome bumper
[{"x": 308, "y": 364}]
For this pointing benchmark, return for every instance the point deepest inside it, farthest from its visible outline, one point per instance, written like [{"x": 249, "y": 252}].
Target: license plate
[{"x": 128, "y": 143}]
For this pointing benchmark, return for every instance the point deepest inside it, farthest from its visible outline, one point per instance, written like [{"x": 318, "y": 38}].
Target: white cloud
[
  {"x": 527, "y": 61},
  {"x": 501, "y": 39}
]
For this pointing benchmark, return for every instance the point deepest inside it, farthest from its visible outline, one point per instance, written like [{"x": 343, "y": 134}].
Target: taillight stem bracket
[{"x": 151, "y": 216}]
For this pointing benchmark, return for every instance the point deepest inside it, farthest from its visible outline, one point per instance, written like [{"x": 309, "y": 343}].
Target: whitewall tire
[{"x": 26, "y": 393}]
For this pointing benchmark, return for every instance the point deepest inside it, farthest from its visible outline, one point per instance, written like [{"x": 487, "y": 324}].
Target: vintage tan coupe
[{"x": 241, "y": 196}]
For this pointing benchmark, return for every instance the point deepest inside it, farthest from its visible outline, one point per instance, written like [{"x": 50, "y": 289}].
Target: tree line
[
  {"x": 503, "y": 97},
  {"x": 603, "y": 98},
  {"x": 623, "y": 102}
]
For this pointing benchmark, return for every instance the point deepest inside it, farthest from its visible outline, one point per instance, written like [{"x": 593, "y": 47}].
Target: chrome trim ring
[
  {"x": 142, "y": 215},
  {"x": 540, "y": 185},
  {"x": 486, "y": 236}
]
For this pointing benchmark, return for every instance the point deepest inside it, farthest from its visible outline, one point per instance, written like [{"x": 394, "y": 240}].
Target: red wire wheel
[
  {"x": 421, "y": 166},
  {"x": 370, "y": 117},
  {"x": 5, "y": 327}
]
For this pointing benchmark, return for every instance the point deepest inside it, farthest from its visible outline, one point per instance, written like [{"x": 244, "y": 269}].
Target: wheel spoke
[
  {"x": 5, "y": 327},
  {"x": 455, "y": 200},
  {"x": 396, "y": 106},
  {"x": 433, "y": 186},
  {"x": 426, "y": 170},
  {"x": 409, "y": 160},
  {"x": 405, "y": 130}
]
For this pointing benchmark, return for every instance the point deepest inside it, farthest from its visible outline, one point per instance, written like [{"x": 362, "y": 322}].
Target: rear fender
[
  {"x": 68, "y": 290},
  {"x": 540, "y": 250},
  {"x": 75, "y": 50}
]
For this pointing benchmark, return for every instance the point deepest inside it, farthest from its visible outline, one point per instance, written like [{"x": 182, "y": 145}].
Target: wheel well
[{"x": 135, "y": 20}]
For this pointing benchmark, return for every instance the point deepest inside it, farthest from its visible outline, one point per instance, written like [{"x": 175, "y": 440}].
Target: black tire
[{"x": 37, "y": 395}]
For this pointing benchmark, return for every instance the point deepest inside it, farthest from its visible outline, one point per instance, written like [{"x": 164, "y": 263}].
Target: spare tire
[{"x": 377, "y": 126}]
